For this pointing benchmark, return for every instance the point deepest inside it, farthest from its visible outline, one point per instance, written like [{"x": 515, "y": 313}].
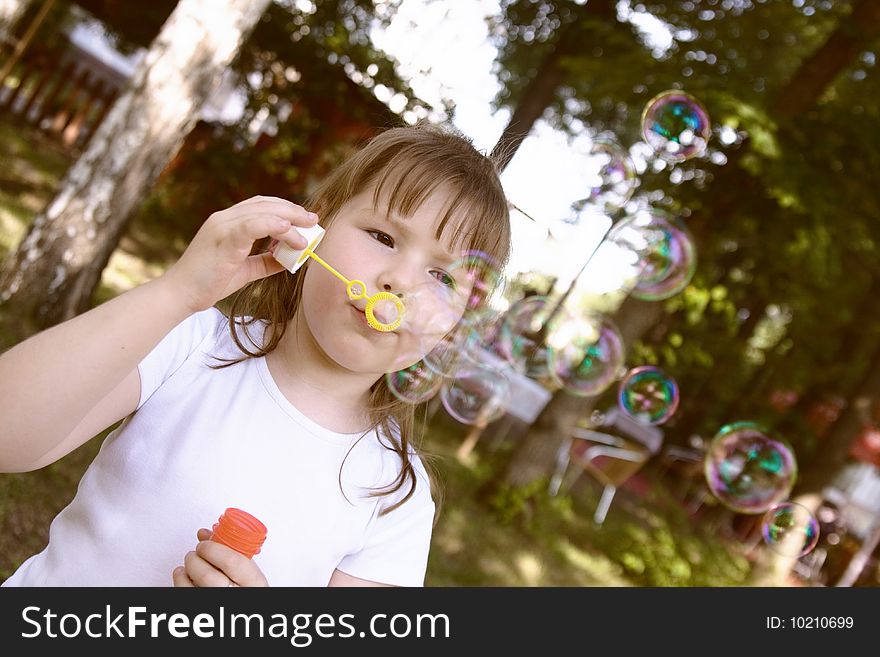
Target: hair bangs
[{"x": 474, "y": 220}]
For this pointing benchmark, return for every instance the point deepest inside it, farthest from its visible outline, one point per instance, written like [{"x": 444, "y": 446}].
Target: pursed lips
[{"x": 362, "y": 316}]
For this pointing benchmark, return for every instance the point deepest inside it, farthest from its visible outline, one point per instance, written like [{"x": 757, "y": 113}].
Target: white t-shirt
[{"x": 203, "y": 440}]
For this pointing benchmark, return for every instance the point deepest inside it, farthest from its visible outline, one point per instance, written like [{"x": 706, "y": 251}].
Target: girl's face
[{"x": 388, "y": 253}]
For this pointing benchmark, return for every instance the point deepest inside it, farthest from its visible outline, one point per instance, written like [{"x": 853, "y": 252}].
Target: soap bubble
[
  {"x": 585, "y": 353},
  {"x": 790, "y": 529},
  {"x": 649, "y": 395},
  {"x": 455, "y": 349},
  {"x": 457, "y": 295},
  {"x": 476, "y": 395},
  {"x": 478, "y": 279},
  {"x": 415, "y": 384},
  {"x": 518, "y": 336},
  {"x": 748, "y": 469},
  {"x": 661, "y": 251},
  {"x": 676, "y": 126},
  {"x": 612, "y": 184}
]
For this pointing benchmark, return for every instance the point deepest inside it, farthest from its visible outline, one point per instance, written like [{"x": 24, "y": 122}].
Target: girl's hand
[
  {"x": 214, "y": 564},
  {"x": 218, "y": 262}
]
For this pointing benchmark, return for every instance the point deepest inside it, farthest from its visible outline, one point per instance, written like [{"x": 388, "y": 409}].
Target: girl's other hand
[
  {"x": 216, "y": 565},
  {"x": 218, "y": 262}
]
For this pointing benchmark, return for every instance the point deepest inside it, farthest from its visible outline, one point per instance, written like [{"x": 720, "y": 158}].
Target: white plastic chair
[{"x": 626, "y": 445}]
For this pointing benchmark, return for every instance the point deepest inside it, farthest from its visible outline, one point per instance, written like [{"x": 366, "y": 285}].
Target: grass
[
  {"x": 29, "y": 501},
  {"x": 486, "y": 535}
]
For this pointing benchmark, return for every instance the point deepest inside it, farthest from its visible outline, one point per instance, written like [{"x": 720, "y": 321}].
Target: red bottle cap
[{"x": 241, "y": 531}]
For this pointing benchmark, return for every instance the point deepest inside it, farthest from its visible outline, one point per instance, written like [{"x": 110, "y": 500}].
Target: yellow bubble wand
[
  {"x": 355, "y": 289},
  {"x": 371, "y": 300}
]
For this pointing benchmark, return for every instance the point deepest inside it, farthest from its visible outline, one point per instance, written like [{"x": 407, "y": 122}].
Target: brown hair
[{"x": 408, "y": 164}]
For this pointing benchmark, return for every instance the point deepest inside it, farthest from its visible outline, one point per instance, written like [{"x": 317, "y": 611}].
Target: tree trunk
[
  {"x": 836, "y": 445},
  {"x": 536, "y": 453},
  {"x": 819, "y": 70},
  {"x": 535, "y": 456},
  {"x": 542, "y": 88},
  {"x": 53, "y": 272}
]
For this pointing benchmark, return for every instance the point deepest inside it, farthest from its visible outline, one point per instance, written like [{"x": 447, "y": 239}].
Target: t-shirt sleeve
[
  {"x": 397, "y": 545},
  {"x": 172, "y": 351}
]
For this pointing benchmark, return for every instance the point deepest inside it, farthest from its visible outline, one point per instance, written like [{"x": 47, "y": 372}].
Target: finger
[
  {"x": 293, "y": 237},
  {"x": 202, "y": 573},
  {"x": 204, "y": 534},
  {"x": 296, "y": 214},
  {"x": 236, "y": 566},
  {"x": 255, "y": 267},
  {"x": 180, "y": 579},
  {"x": 260, "y": 266},
  {"x": 258, "y": 226}
]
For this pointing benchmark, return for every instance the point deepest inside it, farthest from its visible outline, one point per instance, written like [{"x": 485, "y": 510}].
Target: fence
[{"x": 64, "y": 92}]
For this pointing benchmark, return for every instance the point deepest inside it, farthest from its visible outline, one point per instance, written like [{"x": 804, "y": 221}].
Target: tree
[
  {"x": 51, "y": 275},
  {"x": 534, "y": 457},
  {"x": 583, "y": 24}
]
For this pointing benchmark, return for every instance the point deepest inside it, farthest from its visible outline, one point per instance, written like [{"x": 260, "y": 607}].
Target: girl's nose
[{"x": 387, "y": 288}]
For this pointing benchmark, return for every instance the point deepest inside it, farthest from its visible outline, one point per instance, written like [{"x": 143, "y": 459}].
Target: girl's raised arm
[{"x": 59, "y": 384}]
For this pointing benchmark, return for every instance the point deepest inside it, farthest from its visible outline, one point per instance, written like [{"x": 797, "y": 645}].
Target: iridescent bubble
[
  {"x": 476, "y": 395},
  {"x": 455, "y": 349},
  {"x": 649, "y": 395},
  {"x": 517, "y": 340},
  {"x": 456, "y": 294},
  {"x": 585, "y": 353},
  {"x": 415, "y": 384},
  {"x": 660, "y": 249},
  {"x": 431, "y": 318},
  {"x": 748, "y": 469},
  {"x": 790, "y": 529},
  {"x": 612, "y": 185},
  {"x": 478, "y": 278},
  {"x": 676, "y": 126}
]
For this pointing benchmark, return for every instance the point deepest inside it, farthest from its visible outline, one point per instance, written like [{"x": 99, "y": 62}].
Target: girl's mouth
[{"x": 361, "y": 318}]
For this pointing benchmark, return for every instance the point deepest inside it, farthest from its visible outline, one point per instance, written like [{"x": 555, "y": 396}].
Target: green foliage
[
  {"x": 785, "y": 214},
  {"x": 528, "y": 506}
]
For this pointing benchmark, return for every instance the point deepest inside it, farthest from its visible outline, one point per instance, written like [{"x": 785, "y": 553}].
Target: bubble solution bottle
[{"x": 239, "y": 530}]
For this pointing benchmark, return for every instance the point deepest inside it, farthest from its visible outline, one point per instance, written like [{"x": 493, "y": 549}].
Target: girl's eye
[
  {"x": 444, "y": 278},
  {"x": 382, "y": 238}
]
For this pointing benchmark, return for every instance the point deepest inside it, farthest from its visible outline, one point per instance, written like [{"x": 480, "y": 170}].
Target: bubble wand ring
[{"x": 371, "y": 300}]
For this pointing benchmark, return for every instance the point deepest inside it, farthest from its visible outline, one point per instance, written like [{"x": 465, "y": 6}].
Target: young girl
[{"x": 282, "y": 409}]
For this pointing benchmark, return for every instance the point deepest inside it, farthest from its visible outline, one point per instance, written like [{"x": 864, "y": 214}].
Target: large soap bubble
[
  {"x": 585, "y": 353},
  {"x": 478, "y": 394},
  {"x": 519, "y": 337},
  {"x": 415, "y": 384},
  {"x": 614, "y": 178},
  {"x": 649, "y": 395},
  {"x": 676, "y": 126},
  {"x": 790, "y": 529},
  {"x": 749, "y": 469},
  {"x": 661, "y": 251}
]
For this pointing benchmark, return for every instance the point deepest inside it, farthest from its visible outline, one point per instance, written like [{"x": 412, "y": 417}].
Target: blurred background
[{"x": 746, "y": 131}]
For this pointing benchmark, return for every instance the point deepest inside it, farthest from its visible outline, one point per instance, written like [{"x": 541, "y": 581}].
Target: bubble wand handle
[{"x": 326, "y": 266}]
